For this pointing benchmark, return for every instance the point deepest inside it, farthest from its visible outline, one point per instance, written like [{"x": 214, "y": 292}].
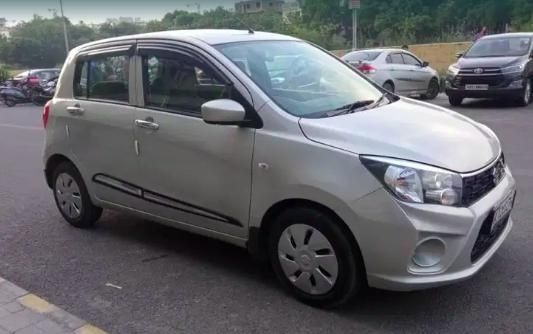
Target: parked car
[
  {"x": 336, "y": 181},
  {"x": 36, "y": 77},
  {"x": 496, "y": 66},
  {"x": 397, "y": 70}
]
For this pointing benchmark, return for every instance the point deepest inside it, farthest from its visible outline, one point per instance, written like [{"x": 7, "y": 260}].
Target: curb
[{"x": 25, "y": 313}]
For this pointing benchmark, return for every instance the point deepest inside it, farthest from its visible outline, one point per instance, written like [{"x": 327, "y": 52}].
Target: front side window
[
  {"x": 410, "y": 60},
  {"x": 396, "y": 58},
  {"x": 179, "y": 83},
  {"x": 500, "y": 47},
  {"x": 302, "y": 79},
  {"x": 103, "y": 78}
]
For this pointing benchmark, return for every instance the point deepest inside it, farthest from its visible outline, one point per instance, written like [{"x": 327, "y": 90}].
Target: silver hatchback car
[
  {"x": 270, "y": 143},
  {"x": 398, "y": 71}
]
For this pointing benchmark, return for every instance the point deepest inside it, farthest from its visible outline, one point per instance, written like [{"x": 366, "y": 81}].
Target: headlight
[
  {"x": 514, "y": 69},
  {"x": 453, "y": 69},
  {"x": 416, "y": 183}
]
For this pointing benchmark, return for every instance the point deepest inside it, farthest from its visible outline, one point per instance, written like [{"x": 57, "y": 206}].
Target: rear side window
[{"x": 102, "y": 78}]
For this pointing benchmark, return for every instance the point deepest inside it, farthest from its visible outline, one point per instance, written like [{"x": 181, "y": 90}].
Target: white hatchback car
[
  {"x": 398, "y": 71},
  {"x": 337, "y": 182}
]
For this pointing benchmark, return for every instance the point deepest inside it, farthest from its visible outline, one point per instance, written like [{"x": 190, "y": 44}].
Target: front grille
[
  {"x": 478, "y": 185},
  {"x": 491, "y": 76},
  {"x": 486, "y": 239}
]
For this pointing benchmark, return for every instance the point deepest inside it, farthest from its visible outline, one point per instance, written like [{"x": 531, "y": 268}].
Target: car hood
[
  {"x": 410, "y": 130},
  {"x": 488, "y": 62}
]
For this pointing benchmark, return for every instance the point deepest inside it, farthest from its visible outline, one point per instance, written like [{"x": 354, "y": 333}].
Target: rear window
[
  {"x": 102, "y": 78},
  {"x": 362, "y": 56}
]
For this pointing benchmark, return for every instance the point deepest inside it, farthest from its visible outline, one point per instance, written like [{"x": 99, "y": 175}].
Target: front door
[
  {"x": 419, "y": 75},
  {"x": 192, "y": 172}
]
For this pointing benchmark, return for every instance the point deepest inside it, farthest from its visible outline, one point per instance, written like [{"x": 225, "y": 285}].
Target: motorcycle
[{"x": 45, "y": 92}]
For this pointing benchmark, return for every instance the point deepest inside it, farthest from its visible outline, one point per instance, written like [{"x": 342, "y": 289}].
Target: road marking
[
  {"x": 22, "y": 127},
  {"x": 37, "y": 304},
  {"x": 89, "y": 329}
]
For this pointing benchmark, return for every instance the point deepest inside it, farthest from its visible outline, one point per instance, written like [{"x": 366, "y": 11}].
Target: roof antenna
[{"x": 251, "y": 31}]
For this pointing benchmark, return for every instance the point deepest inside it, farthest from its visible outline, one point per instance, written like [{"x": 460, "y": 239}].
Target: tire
[
  {"x": 71, "y": 197},
  {"x": 333, "y": 280},
  {"x": 433, "y": 90},
  {"x": 388, "y": 86},
  {"x": 10, "y": 102},
  {"x": 525, "y": 99},
  {"x": 455, "y": 100}
]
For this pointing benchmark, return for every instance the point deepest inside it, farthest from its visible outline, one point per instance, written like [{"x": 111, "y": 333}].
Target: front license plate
[
  {"x": 477, "y": 87},
  {"x": 502, "y": 210}
]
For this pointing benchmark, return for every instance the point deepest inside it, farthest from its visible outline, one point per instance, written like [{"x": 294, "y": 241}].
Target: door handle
[
  {"x": 75, "y": 110},
  {"x": 146, "y": 124}
]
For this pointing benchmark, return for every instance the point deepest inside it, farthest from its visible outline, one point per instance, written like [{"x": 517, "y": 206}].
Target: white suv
[{"x": 273, "y": 144}]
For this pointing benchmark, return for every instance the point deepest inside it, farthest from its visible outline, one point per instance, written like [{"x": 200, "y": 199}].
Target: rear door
[{"x": 100, "y": 123}]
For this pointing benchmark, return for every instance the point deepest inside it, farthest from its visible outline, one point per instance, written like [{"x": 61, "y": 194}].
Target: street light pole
[
  {"x": 65, "y": 32},
  {"x": 354, "y": 27}
]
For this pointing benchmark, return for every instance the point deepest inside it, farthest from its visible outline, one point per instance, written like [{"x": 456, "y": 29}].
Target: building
[
  {"x": 258, "y": 6},
  {"x": 291, "y": 8},
  {"x": 126, "y": 19}
]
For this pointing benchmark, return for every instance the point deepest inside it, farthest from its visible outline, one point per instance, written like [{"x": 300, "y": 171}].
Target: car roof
[
  {"x": 208, "y": 36},
  {"x": 388, "y": 50},
  {"x": 512, "y": 34}
]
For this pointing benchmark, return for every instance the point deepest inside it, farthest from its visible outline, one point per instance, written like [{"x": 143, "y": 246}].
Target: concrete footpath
[{"x": 24, "y": 313}]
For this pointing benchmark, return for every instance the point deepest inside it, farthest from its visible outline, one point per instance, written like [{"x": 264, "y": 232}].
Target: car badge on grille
[
  {"x": 478, "y": 71},
  {"x": 498, "y": 171}
]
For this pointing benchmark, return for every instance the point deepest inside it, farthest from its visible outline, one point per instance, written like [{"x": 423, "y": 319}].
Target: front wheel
[
  {"x": 525, "y": 100},
  {"x": 432, "y": 91},
  {"x": 455, "y": 100},
  {"x": 314, "y": 259},
  {"x": 9, "y": 102}
]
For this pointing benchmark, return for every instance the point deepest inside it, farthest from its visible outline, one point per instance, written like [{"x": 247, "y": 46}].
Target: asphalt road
[{"x": 175, "y": 282}]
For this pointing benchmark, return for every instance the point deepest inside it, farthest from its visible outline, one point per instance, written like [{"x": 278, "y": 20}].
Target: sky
[{"x": 96, "y": 11}]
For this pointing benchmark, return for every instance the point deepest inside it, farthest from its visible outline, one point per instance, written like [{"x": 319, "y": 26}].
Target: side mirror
[
  {"x": 459, "y": 54},
  {"x": 425, "y": 64},
  {"x": 223, "y": 112}
]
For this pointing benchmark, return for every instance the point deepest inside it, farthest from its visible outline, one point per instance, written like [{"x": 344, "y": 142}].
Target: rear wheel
[
  {"x": 388, "y": 86},
  {"x": 433, "y": 90},
  {"x": 314, "y": 259},
  {"x": 455, "y": 100},
  {"x": 72, "y": 198}
]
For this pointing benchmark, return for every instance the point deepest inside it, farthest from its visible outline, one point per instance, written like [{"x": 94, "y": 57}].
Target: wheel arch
[
  {"x": 258, "y": 236},
  {"x": 51, "y": 164}
]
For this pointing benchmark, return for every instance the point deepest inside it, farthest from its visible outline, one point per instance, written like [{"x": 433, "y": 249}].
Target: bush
[{"x": 4, "y": 74}]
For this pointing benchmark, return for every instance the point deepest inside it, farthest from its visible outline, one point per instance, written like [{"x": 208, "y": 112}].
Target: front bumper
[
  {"x": 505, "y": 88},
  {"x": 391, "y": 231}
]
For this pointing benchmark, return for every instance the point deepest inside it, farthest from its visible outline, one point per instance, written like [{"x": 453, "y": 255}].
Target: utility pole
[
  {"x": 65, "y": 32},
  {"x": 354, "y": 5}
]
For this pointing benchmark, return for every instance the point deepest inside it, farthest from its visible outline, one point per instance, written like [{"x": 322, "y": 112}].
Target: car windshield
[
  {"x": 302, "y": 79},
  {"x": 362, "y": 56},
  {"x": 500, "y": 47}
]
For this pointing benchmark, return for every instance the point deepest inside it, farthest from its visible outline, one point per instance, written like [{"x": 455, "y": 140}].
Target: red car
[{"x": 34, "y": 78}]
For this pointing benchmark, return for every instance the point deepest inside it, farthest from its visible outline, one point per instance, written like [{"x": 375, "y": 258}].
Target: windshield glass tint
[
  {"x": 500, "y": 47},
  {"x": 299, "y": 77}
]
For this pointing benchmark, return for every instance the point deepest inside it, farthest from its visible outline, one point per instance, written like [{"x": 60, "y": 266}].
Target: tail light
[
  {"x": 367, "y": 68},
  {"x": 46, "y": 113},
  {"x": 33, "y": 80}
]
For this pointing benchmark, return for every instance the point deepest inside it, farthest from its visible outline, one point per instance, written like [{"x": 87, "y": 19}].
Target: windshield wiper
[{"x": 349, "y": 108}]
